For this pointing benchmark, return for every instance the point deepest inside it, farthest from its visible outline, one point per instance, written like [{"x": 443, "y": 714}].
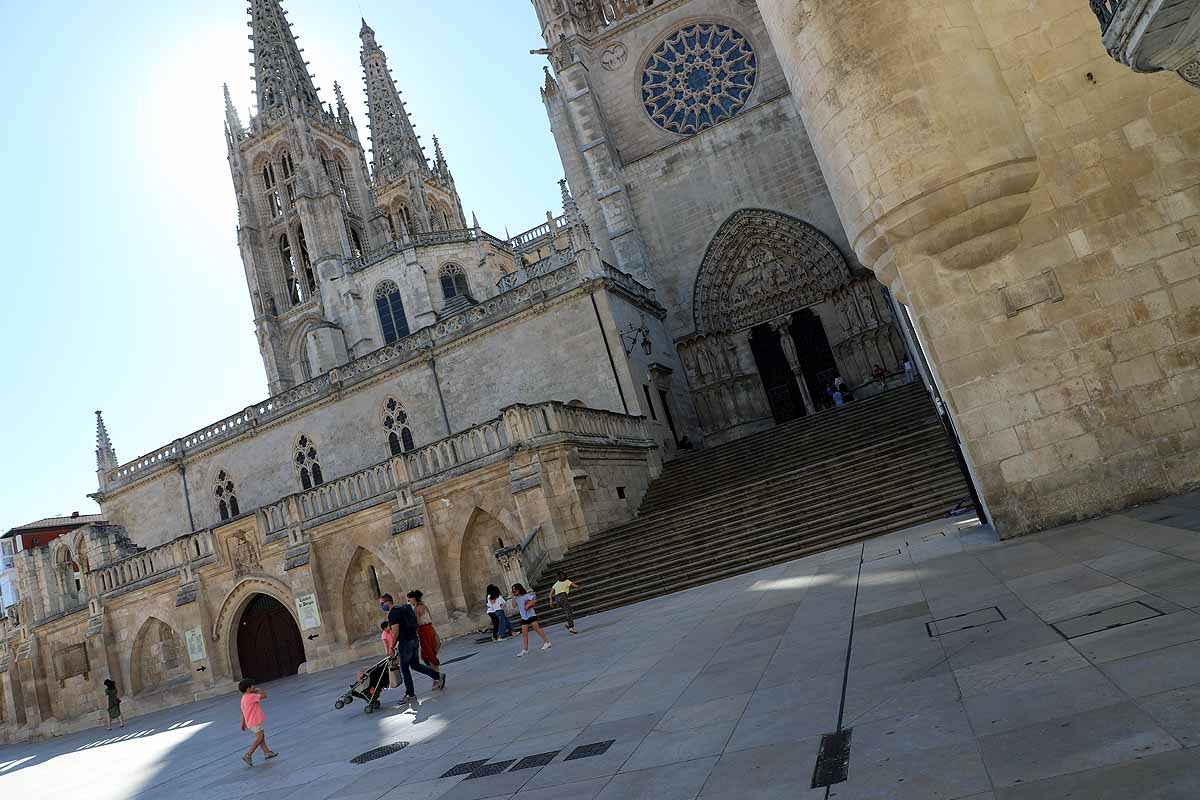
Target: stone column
[
  {"x": 739, "y": 342},
  {"x": 782, "y": 327}
]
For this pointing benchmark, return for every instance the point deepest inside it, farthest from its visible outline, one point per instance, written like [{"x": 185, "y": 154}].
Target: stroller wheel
[
  {"x": 339, "y": 704},
  {"x": 370, "y": 709}
]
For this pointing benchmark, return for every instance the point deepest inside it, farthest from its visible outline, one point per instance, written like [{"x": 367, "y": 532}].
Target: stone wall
[
  {"x": 153, "y": 635},
  {"x": 1037, "y": 207}
]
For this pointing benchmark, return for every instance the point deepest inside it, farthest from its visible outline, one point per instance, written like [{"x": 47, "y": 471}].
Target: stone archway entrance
[
  {"x": 779, "y": 313},
  {"x": 268, "y": 640}
]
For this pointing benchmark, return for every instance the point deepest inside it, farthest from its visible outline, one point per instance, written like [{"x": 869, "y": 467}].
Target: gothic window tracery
[
  {"x": 698, "y": 76},
  {"x": 306, "y": 267},
  {"x": 296, "y": 292},
  {"x": 226, "y": 496},
  {"x": 308, "y": 465},
  {"x": 289, "y": 178},
  {"x": 356, "y": 246},
  {"x": 395, "y": 427},
  {"x": 406, "y": 218},
  {"x": 271, "y": 191},
  {"x": 341, "y": 174},
  {"x": 391, "y": 311},
  {"x": 454, "y": 281}
]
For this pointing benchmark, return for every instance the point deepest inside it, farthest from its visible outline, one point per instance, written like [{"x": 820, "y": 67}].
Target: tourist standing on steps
[
  {"x": 910, "y": 372},
  {"x": 114, "y": 703},
  {"x": 253, "y": 719},
  {"x": 501, "y": 629},
  {"x": 560, "y": 593},
  {"x": 525, "y": 600},
  {"x": 426, "y": 633},
  {"x": 402, "y": 621}
]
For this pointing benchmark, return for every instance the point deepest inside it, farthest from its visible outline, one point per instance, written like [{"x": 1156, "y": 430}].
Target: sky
[{"x": 126, "y": 291}]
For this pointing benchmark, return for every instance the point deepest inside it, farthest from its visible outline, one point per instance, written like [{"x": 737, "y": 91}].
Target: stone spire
[
  {"x": 106, "y": 457},
  {"x": 393, "y": 140},
  {"x": 343, "y": 113},
  {"x": 439, "y": 160},
  {"x": 232, "y": 120},
  {"x": 570, "y": 210},
  {"x": 280, "y": 71}
]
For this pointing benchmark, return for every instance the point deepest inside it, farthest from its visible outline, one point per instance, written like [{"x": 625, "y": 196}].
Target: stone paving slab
[{"x": 725, "y": 690}]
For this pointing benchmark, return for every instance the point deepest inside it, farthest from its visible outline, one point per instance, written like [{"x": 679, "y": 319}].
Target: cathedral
[{"x": 761, "y": 198}]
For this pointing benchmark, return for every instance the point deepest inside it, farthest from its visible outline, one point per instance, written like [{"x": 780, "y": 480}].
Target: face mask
[{"x": 383, "y": 606}]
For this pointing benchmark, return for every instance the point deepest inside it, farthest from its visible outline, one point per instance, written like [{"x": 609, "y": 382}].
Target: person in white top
[{"x": 501, "y": 628}]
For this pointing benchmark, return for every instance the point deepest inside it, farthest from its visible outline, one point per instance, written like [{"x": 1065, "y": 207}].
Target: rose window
[{"x": 698, "y": 76}]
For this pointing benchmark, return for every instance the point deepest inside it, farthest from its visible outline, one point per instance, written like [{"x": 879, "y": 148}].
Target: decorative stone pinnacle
[{"x": 106, "y": 456}]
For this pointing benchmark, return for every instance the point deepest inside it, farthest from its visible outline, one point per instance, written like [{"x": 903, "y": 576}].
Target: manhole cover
[
  {"x": 966, "y": 621},
  {"x": 539, "y": 760},
  {"x": 465, "y": 768},
  {"x": 378, "y": 752},
  {"x": 490, "y": 769},
  {"x": 1106, "y": 619},
  {"x": 594, "y": 749}
]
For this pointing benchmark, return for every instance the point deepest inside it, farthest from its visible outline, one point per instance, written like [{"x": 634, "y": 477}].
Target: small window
[
  {"x": 391, "y": 312},
  {"x": 226, "y": 496},
  {"x": 454, "y": 281},
  {"x": 308, "y": 465},
  {"x": 395, "y": 427}
]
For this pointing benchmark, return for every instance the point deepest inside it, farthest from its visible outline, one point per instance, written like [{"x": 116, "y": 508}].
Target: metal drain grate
[
  {"x": 833, "y": 759},
  {"x": 1106, "y": 619},
  {"x": 539, "y": 760},
  {"x": 586, "y": 750},
  {"x": 964, "y": 621},
  {"x": 465, "y": 768},
  {"x": 490, "y": 769},
  {"x": 378, "y": 752},
  {"x": 459, "y": 658}
]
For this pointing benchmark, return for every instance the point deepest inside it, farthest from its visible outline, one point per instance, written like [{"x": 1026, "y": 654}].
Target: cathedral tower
[
  {"x": 416, "y": 197},
  {"x": 305, "y": 207}
]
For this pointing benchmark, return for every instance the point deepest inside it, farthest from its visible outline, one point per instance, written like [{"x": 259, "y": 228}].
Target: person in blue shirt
[
  {"x": 525, "y": 600},
  {"x": 402, "y": 622}
]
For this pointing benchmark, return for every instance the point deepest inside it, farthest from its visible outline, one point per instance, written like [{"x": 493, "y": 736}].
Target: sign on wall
[
  {"x": 306, "y": 608},
  {"x": 195, "y": 644}
]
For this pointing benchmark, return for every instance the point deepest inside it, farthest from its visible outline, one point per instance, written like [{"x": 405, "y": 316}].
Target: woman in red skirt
[{"x": 425, "y": 630}]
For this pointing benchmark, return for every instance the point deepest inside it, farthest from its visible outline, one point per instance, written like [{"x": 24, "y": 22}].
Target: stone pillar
[{"x": 782, "y": 327}]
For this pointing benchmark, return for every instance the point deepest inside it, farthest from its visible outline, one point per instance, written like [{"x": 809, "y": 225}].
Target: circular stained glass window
[{"x": 700, "y": 75}]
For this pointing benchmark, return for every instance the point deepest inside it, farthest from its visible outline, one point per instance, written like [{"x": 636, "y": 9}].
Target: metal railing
[{"x": 1105, "y": 11}]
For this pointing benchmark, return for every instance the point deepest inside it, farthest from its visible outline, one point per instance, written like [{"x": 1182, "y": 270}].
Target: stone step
[
  {"x": 840, "y": 476},
  {"x": 933, "y": 450},
  {"x": 766, "y": 530}
]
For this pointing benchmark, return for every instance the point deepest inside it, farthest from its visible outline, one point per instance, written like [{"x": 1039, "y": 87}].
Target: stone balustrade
[
  {"x": 472, "y": 444},
  {"x": 425, "y": 239},
  {"x": 155, "y": 563},
  {"x": 338, "y": 494},
  {"x": 550, "y": 263},
  {"x": 547, "y": 228}
]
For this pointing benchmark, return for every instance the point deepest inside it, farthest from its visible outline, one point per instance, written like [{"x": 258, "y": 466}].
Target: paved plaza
[{"x": 978, "y": 670}]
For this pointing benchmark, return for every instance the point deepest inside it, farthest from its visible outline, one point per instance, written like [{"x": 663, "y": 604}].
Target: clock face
[{"x": 699, "y": 75}]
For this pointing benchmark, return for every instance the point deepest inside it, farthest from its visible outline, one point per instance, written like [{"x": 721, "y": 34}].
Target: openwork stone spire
[
  {"x": 231, "y": 115},
  {"x": 280, "y": 71},
  {"x": 106, "y": 456},
  {"x": 343, "y": 113},
  {"x": 393, "y": 140},
  {"x": 440, "y": 166}
]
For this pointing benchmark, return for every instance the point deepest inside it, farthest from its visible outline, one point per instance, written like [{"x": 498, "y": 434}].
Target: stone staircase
[{"x": 867, "y": 468}]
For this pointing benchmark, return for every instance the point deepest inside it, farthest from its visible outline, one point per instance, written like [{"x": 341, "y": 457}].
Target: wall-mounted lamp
[{"x": 631, "y": 334}]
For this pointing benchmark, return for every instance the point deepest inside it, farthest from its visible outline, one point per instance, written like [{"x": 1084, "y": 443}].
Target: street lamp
[{"x": 631, "y": 334}]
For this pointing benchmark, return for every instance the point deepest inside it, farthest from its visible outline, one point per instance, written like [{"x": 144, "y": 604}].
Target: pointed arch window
[
  {"x": 271, "y": 191},
  {"x": 308, "y": 465},
  {"x": 225, "y": 494},
  {"x": 391, "y": 312},
  {"x": 391, "y": 223},
  {"x": 356, "y": 244},
  {"x": 395, "y": 427},
  {"x": 306, "y": 266},
  {"x": 296, "y": 292},
  {"x": 341, "y": 174},
  {"x": 289, "y": 178},
  {"x": 454, "y": 281},
  {"x": 406, "y": 218}
]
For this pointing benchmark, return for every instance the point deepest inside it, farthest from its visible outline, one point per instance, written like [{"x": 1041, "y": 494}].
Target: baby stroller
[{"x": 368, "y": 687}]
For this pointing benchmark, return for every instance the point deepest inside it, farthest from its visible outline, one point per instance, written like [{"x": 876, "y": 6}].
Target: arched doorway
[
  {"x": 268, "y": 640},
  {"x": 477, "y": 559}
]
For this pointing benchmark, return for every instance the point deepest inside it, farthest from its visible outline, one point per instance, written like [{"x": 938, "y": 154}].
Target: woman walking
[
  {"x": 501, "y": 629},
  {"x": 114, "y": 703},
  {"x": 525, "y": 600},
  {"x": 426, "y": 633}
]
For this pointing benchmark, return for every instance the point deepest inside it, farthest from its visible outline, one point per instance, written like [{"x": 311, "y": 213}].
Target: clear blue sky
[{"x": 125, "y": 289}]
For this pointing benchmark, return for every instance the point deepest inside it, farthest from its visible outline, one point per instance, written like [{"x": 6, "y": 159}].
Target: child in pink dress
[{"x": 253, "y": 719}]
